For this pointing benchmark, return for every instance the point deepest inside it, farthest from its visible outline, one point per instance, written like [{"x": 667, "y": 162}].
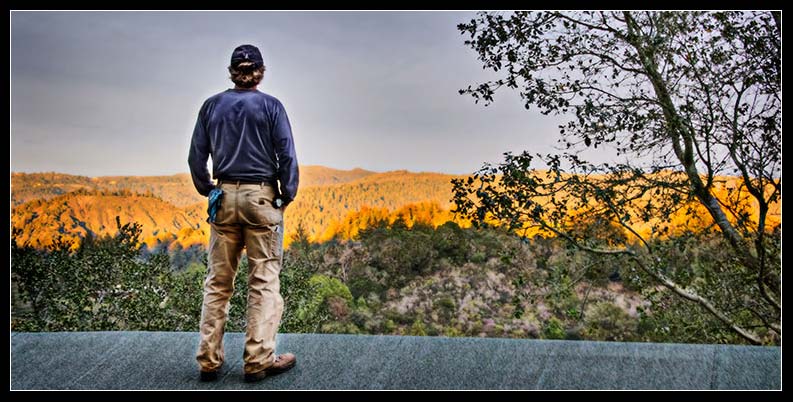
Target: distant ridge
[
  {"x": 80, "y": 213},
  {"x": 326, "y": 199},
  {"x": 46, "y": 205},
  {"x": 177, "y": 189},
  {"x": 316, "y": 175}
]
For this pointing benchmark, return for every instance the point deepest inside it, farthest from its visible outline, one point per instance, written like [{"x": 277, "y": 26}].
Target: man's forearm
[
  {"x": 200, "y": 174},
  {"x": 289, "y": 179},
  {"x": 199, "y": 155}
]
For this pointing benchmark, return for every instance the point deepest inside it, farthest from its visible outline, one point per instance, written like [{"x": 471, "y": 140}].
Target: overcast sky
[{"x": 117, "y": 93}]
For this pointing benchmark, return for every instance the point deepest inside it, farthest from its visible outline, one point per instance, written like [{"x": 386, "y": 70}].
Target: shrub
[
  {"x": 418, "y": 328},
  {"x": 478, "y": 257},
  {"x": 553, "y": 329},
  {"x": 363, "y": 286},
  {"x": 102, "y": 285},
  {"x": 112, "y": 284},
  {"x": 607, "y": 322},
  {"x": 451, "y": 243},
  {"x": 447, "y": 303},
  {"x": 325, "y": 287}
]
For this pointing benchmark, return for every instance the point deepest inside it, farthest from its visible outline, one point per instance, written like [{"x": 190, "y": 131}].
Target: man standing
[{"x": 248, "y": 134}]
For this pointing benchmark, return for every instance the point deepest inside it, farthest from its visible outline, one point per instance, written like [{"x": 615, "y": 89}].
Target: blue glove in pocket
[{"x": 215, "y": 197}]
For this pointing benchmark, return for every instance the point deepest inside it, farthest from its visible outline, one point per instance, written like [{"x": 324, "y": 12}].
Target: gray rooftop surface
[{"x": 165, "y": 360}]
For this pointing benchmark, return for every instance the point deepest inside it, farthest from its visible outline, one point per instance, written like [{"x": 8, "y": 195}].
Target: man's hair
[{"x": 246, "y": 75}]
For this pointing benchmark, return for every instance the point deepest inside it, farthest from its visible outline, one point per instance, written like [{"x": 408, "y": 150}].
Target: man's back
[{"x": 248, "y": 134}]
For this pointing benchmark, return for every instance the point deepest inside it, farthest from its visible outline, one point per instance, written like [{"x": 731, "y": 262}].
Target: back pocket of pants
[{"x": 265, "y": 213}]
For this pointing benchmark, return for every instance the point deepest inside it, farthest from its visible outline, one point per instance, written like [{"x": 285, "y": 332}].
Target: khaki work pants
[{"x": 246, "y": 218}]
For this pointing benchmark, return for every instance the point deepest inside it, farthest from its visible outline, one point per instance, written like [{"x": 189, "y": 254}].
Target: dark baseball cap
[{"x": 247, "y": 53}]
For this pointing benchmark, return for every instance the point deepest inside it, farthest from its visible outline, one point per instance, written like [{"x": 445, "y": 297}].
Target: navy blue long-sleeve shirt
[{"x": 248, "y": 134}]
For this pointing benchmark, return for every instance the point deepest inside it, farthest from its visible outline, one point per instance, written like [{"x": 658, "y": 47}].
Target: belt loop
[
  {"x": 261, "y": 185},
  {"x": 238, "y": 184}
]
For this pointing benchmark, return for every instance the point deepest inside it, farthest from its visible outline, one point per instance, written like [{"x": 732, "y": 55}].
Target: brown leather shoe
[
  {"x": 283, "y": 363},
  {"x": 210, "y": 375}
]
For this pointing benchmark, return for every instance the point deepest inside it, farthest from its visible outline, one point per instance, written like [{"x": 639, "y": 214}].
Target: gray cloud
[{"x": 100, "y": 93}]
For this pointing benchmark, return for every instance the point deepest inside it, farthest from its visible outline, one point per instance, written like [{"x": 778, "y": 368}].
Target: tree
[
  {"x": 102, "y": 284},
  {"x": 686, "y": 100}
]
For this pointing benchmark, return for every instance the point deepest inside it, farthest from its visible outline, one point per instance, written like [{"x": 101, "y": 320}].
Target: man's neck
[{"x": 253, "y": 88}]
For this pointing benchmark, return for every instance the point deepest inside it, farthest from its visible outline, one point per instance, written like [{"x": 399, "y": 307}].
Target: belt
[{"x": 238, "y": 182}]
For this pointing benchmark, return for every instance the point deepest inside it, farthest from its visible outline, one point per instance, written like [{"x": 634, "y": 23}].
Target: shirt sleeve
[
  {"x": 199, "y": 154},
  {"x": 288, "y": 172}
]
